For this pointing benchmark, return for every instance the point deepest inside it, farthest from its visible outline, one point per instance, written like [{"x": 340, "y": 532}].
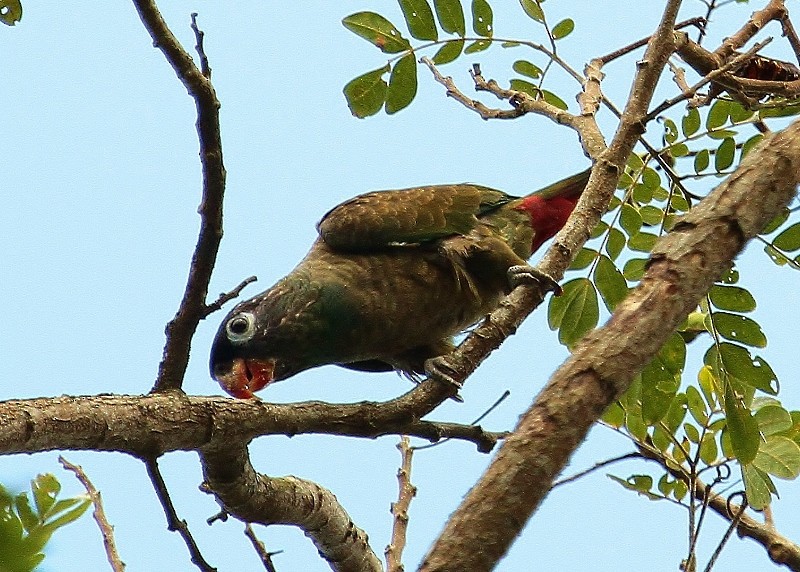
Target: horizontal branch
[{"x": 154, "y": 424}]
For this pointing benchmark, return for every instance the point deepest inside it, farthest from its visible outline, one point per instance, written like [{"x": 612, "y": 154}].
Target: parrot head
[{"x": 237, "y": 371}]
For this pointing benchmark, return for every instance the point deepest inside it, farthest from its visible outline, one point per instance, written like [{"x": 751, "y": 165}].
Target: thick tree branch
[
  {"x": 253, "y": 497},
  {"x": 683, "y": 266},
  {"x": 181, "y": 328},
  {"x": 158, "y": 423}
]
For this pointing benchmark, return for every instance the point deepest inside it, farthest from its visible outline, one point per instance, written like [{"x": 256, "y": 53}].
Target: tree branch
[
  {"x": 399, "y": 510},
  {"x": 156, "y": 424},
  {"x": 684, "y": 264},
  {"x": 181, "y": 328},
  {"x": 253, "y": 497}
]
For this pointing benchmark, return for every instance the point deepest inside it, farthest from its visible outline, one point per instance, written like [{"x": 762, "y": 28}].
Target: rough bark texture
[{"x": 684, "y": 265}]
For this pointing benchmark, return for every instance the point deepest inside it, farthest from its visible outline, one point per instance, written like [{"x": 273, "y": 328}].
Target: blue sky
[{"x": 100, "y": 188}]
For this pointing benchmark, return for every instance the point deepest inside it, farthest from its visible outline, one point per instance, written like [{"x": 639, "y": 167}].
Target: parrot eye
[{"x": 241, "y": 327}]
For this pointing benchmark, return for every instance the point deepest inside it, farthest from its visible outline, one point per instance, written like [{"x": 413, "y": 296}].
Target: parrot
[{"x": 392, "y": 277}]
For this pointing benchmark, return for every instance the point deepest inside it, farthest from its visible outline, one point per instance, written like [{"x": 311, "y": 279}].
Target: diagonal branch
[
  {"x": 181, "y": 328},
  {"x": 684, "y": 264}
]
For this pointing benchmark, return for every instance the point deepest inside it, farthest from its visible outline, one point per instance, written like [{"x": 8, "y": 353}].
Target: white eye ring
[{"x": 241, "y": 327}]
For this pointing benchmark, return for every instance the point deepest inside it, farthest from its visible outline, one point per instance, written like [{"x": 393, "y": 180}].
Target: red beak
[{"x": 246, "y": 376}]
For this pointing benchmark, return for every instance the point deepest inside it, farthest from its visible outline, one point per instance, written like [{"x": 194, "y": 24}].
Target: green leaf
[
  {"x": 691, "y": 122},
  {"x": 779, "y": 456},
  {"x": 630, "y": 220},
  {"x": 581, "y": 312},
  {"x": 720, "y": 134},
  {"x": 751, "y": 371},
  {"x": 738, "y": 328},
  {"x": 525, "y": 87},
  {"x": 679, "y": 150},
  {"x": 533, "y": 10},
  {"x": 670, "y": 131},
  {"x": 776, "y": 255},
  {"x": 610, "y": 283},
  {"x": 71, "y": 515},
  {"x": 717, "y": 115},
  {"x": 651, "y": 215},
  {"x": 584, "y": 258},
  {"x": 448, "y": 52},
  {"x": 773, "y": 419},
  {"x": 402, "y": 84},
  {"x": 614, "y": 415},
  {"x": 701, "y": 161},
  {"x": 638, "y": 483},
  {"x": 696, "y": 405},
  {"x": 524, "y": 67},
  {"x": 366, "y": 94},
  {"x": 419, "y": 17},
  {"x": 482, "y": 18},
  {"x": 748, "y": 145},
  {"x": 742, "y": 427},
  {"x": 732, "y": 298},
  {"x": 451, "y": 16},
  {"x": 725, "y": 154},
  {"x": 757, "y": 486},
  {"x": 789, "y": 239},
  {"x": 775, "y": 223},
  {"x": 634, "y": 269},
  {"x": 45, "y": 489},
  {"x": 477, "y": 46},
  {"x": 554, "y": 100},
  {"x": 615, "y": 243},
  {"x": 642, "y": 242},
  {"x": 708, "y": 448},
  {"x": 563, "y": 28},
  {"x": 10, "y": 11},
  {"x": 738, "y": 113},
  {"x": 377, "y": 30}
]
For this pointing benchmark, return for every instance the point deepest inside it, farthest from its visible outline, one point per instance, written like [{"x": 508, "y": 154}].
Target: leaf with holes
[
  {"x": 738, "y": 328},
  {"x": 691, "y": 122},
  {"x": 419, "y": 18},
  {"x": 482, "y": 18},
  {"x": 10, "y": 12},
  {"x": 740, "y": 364}
]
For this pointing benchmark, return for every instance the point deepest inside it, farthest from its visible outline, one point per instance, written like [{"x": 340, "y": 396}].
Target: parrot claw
[
  {"x": 526, "y": 274},
  {"x": 439, "y": 369}
]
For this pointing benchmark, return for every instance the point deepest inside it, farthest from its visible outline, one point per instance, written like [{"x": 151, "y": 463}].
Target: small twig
[
  {"x": 394, "y": 551},
  {"x": 106, "y": 530},
  {"x": 595, "y": 467},
  {"x": 735, "y": 520},
  {"x": 174, "y": 523},
  {"x": 474, "y": 424},
  {"x": 697, "y": 21},
  {"x": 199, "y": 36},
  {"x": 258, "y": 546},
  {"x": 226, "y": 297}
]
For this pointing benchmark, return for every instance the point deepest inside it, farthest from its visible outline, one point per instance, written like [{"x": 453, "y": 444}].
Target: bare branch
[
  {"x": 199, "y": 35},
  {"x": 253, "y": 497},
  {"x": 181, "y": 328},
  {"x": 399, "y": 509},
  {"x": 106, "y": 530},
  {"x": 258, "y": 546},
  {"x": 227, "y": 297},
  {"x": 174, "y": 523}
]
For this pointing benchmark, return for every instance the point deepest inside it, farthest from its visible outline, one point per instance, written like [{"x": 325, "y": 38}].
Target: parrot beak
[{"x": 245, "y": 376}]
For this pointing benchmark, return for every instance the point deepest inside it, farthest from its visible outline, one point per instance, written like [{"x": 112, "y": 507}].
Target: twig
[
  {"x": 106, "y": 530},
  {"x": 226, "y": 297},
  {"x": 595, "y": 467},
  {"x": 474, "y": 423},
  {"x": 174, "y": 524},
  {"x": 199, "y": 36},
  {"x": 697, "y": 21},
  {"x": 258, "y": 546},
  {"x": 407, "y": 491},
  {"x": 181, "y": 328}
]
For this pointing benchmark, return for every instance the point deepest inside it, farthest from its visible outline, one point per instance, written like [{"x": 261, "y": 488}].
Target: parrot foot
[
  {"x": 439, "y": 369},
  {"x": 524, "y": 273}
]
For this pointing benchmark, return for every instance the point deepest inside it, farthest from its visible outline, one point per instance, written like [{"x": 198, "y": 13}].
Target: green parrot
[{"x": 392, "y": 277}]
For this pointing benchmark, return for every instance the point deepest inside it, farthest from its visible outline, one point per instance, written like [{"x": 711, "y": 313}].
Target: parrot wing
[{"x": 381, "y": 219}]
